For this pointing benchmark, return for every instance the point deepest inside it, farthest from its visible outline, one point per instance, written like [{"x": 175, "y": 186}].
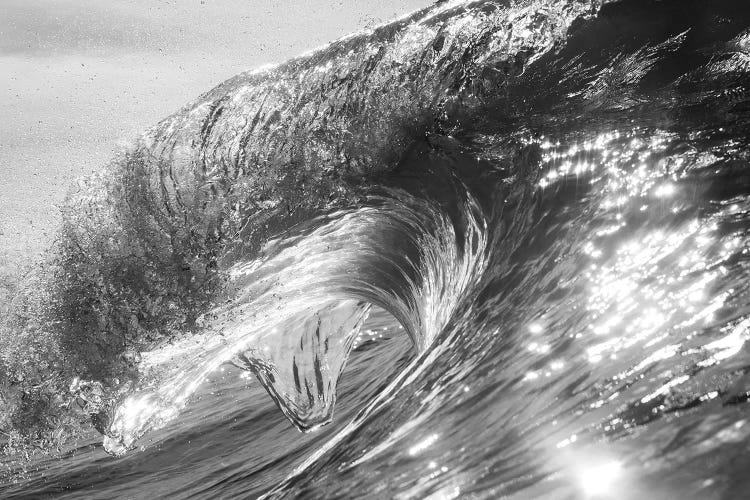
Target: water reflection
[
  {"x": 657, "y": 280},
  {"x": 597, "y": 479},
  {"x": 655, "y": 332}
]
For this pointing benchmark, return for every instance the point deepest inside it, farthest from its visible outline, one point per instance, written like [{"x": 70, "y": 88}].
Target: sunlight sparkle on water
[
  {"x": 423, "y": 445},
  {"x": 665, "y": 191},
  {"x": 599, "y": 479},
  {"x": 536, "y": 328}
]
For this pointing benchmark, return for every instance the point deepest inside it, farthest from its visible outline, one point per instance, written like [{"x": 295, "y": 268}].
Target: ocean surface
[{"x": 495, "y": 249}]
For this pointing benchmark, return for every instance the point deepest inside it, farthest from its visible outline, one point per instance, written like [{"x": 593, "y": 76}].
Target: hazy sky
[{"x": 80, "y": 78}]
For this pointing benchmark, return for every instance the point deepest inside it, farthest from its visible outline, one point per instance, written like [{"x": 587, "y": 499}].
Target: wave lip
[{"x": 292, "y": 319}]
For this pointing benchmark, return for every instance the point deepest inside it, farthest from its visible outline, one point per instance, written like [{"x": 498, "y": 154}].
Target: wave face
[{"x": 510, "y": 238}]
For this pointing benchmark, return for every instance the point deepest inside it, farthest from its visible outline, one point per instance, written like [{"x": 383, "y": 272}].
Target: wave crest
[{"x": 292, "y": 316}]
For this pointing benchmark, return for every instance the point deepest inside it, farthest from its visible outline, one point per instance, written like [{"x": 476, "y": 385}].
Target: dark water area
[{"x": 494, "y": 249}]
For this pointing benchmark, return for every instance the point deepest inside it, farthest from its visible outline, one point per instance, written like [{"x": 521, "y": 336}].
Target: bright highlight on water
[{"x": 492, "y": 249}]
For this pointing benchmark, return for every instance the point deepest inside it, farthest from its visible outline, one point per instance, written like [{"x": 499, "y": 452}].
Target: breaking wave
[{"x": 549, "y": 198}]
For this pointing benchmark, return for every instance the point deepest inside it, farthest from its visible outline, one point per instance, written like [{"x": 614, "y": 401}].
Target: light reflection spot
[
  {"x": 599, "y": 479},
  {"x": 423, "y": 445}
]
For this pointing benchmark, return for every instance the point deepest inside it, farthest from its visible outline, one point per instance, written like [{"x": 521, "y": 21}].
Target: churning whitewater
[{"x": 510, "y": 237}]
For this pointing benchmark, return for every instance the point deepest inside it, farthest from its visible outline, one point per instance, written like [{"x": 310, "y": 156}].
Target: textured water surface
[{"x": 494, "y": 249}]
